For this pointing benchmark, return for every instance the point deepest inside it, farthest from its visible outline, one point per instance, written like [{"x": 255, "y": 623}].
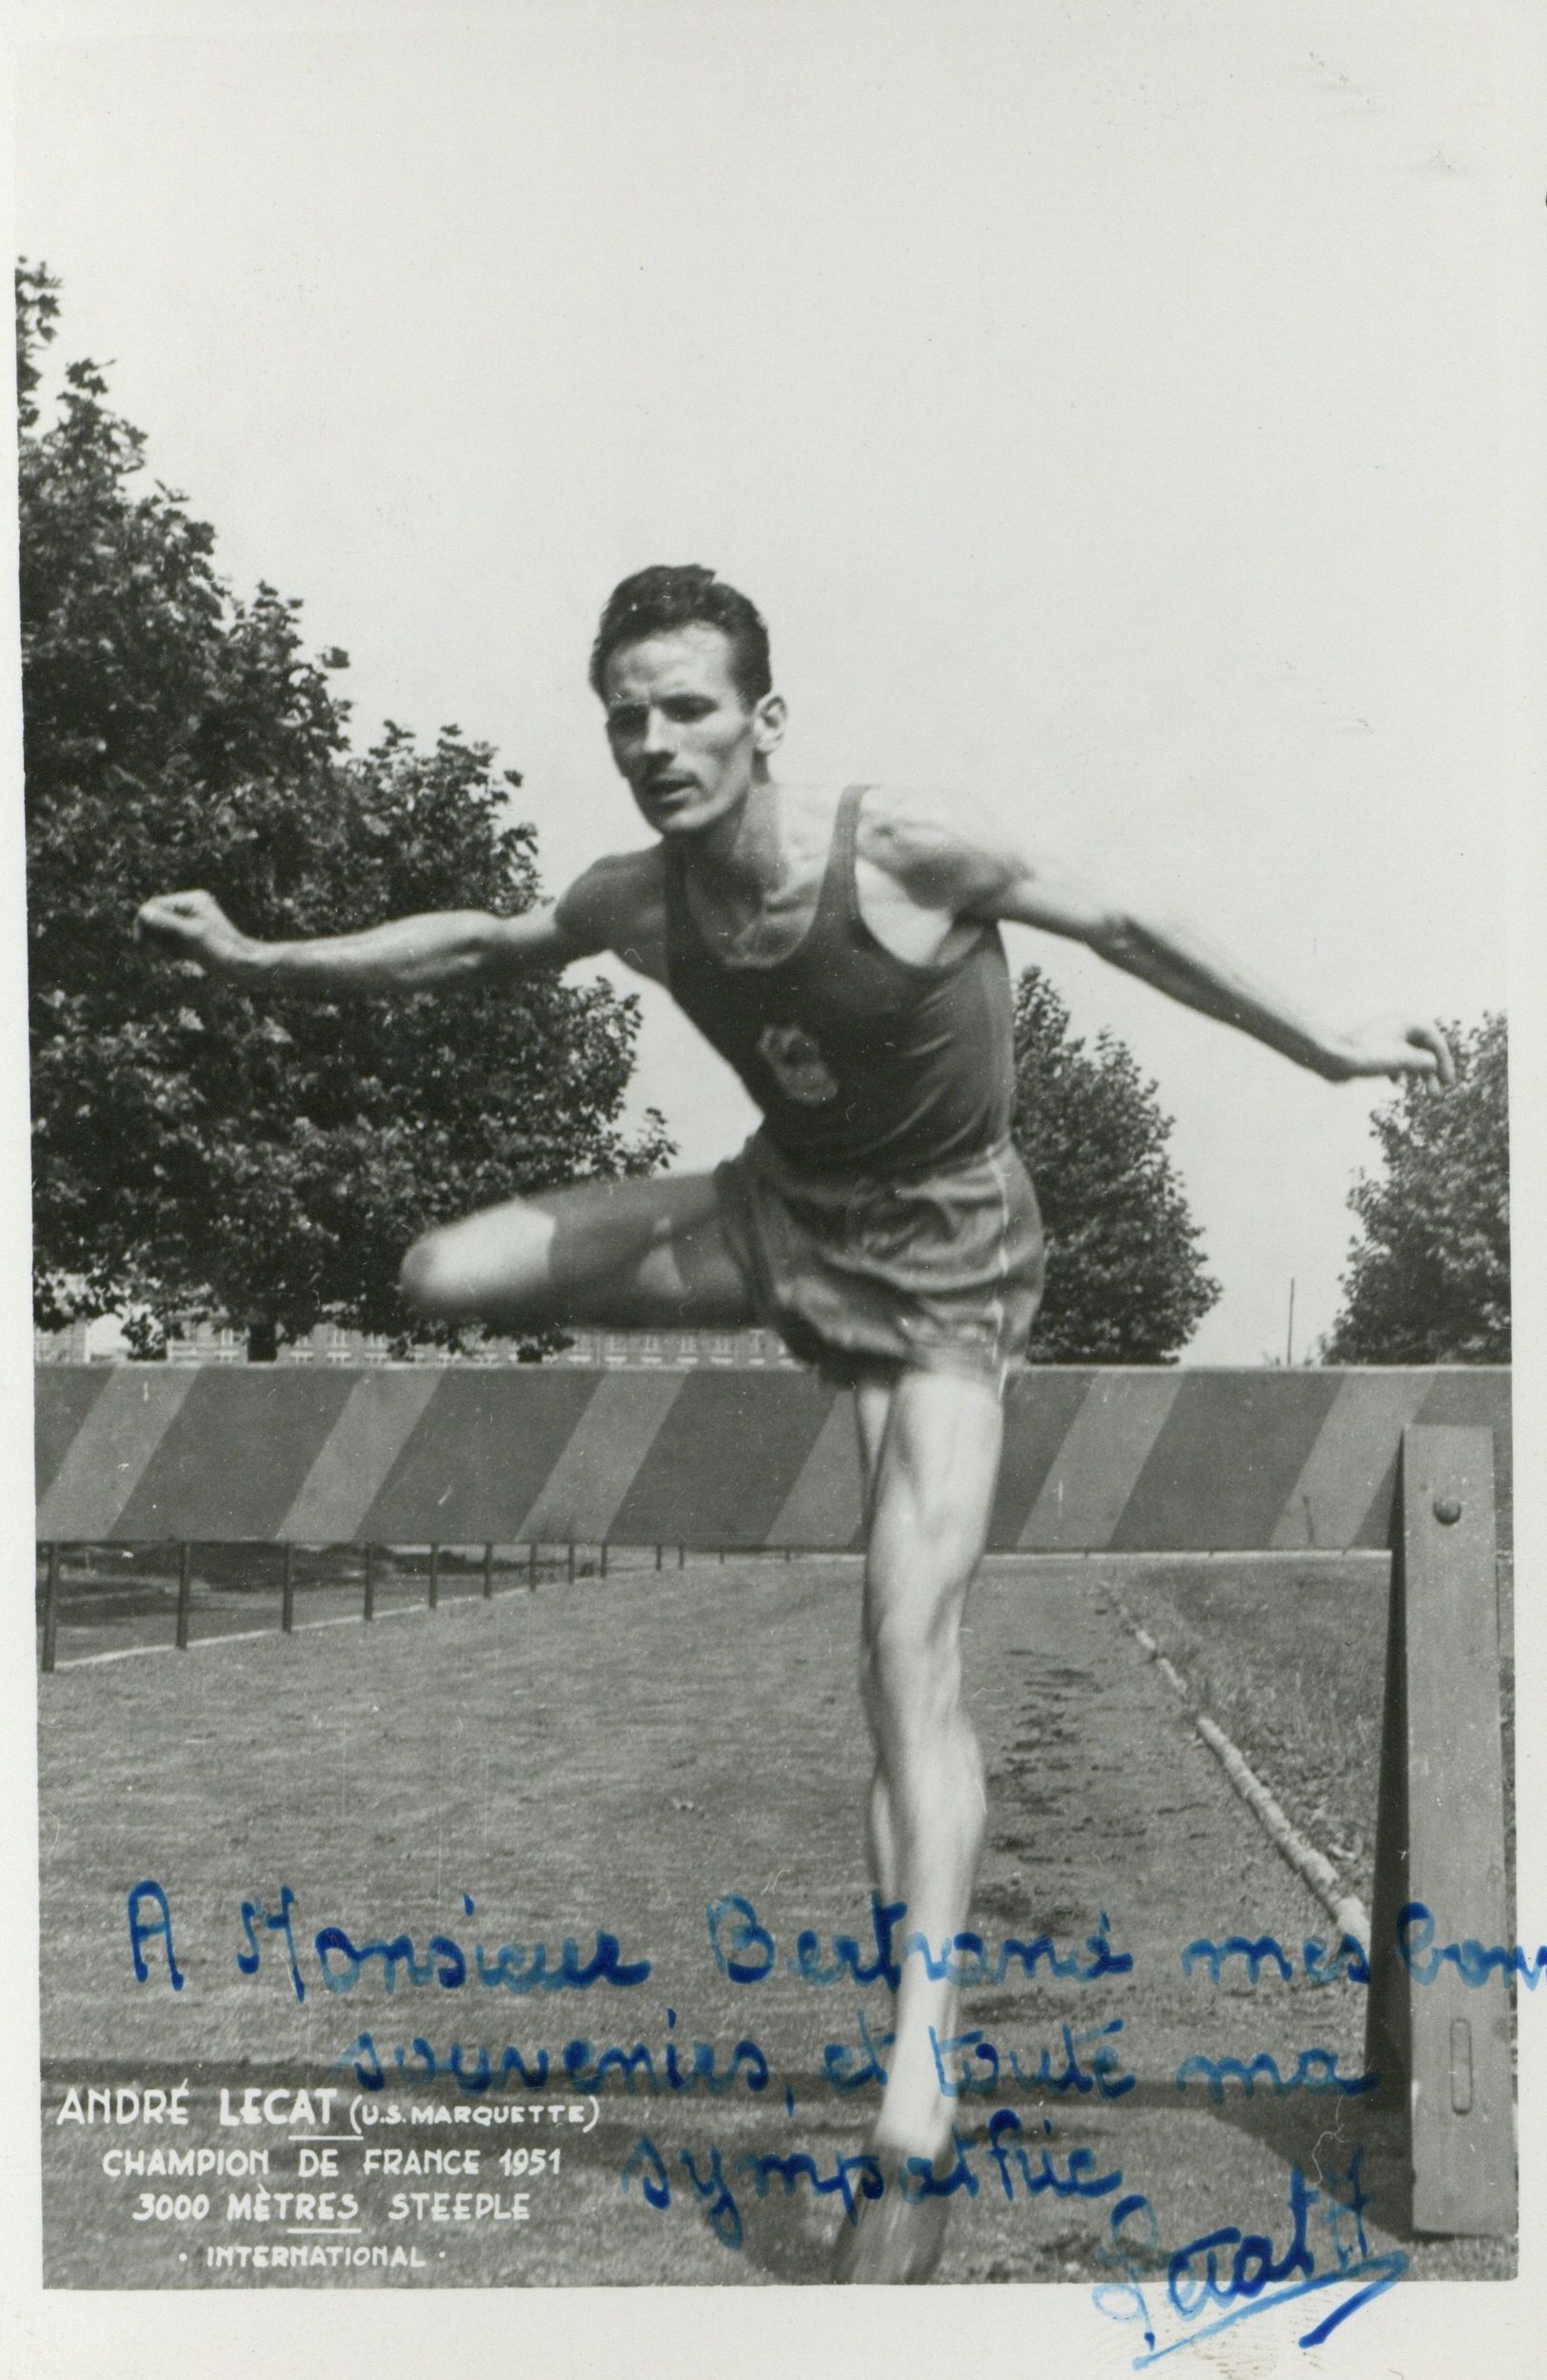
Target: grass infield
[{"x": 617, "y": 1755}]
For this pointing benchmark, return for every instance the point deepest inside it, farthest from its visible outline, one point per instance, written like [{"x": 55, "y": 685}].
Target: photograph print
[{"x": 767, "y": 774}]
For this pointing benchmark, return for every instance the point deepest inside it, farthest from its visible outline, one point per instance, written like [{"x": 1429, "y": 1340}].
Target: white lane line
[
  {"x": 251, "y": 1635},
  {"x": 128, "y": 1652},
  {"x": 1136, "y": 1558},
  {"x": 1315, "y": 1870}
]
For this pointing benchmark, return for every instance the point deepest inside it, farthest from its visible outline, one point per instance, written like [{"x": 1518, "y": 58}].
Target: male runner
[{"x": 843, "y": 951}]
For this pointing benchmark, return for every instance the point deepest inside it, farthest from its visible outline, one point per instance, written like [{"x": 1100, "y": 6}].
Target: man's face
[{"x": 681, "y": 730}]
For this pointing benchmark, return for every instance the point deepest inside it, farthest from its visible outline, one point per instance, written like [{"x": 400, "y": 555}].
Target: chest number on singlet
[{"x": 797, "y": 1064}]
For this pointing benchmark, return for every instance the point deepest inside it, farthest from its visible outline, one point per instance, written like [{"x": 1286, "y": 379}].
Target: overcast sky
[{"x": 1103, "y": 404}]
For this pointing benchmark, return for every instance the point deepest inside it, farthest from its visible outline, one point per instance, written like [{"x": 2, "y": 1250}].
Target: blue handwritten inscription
[
  {"x": 159, "y": 1927},
  {"x": 1345, "y": 1964},
  {"x": 1241, "y": 1957},
  {"x": 340, "y": 1962},
  {"x": 861, "y": 2177},
  {"x": 682, "y": 2068},
  {"x": 745, "y": 1951},
  {"x": 1415, "y": 1930},
  {"x": 1315, "y": 2070},
  {"x": 1226, "y": 2275},
  {"x": 514, "y": 1967},
  {"x": 967, "y": 2062}
]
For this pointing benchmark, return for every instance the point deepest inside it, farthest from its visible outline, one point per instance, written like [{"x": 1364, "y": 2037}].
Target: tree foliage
[
  {"x": 1125, "y": 1277},
  {"x": 197, "y": 1151},
  {"x": 1429, "y": 1279}
]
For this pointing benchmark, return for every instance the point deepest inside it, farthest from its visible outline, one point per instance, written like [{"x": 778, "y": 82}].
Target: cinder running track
[{"x": 620, "y": 1756}]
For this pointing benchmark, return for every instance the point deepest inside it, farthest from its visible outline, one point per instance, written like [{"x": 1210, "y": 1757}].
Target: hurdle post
[
  {"x": 434, "y": 1577},
  {"x": 287, "y": 1592},
  {"x": 532, "y": 1567},
  {"x": 50, "y": 1605},
  {"x": 602, "y": 1570},
  {"x": 659, "y": 1551},
  {"x": 370, "y": 1612},
  {"x": 1442, "y": 2045},
  {"x": 489, "y": 1574},
  {"x": 185, "y": 1594},
  {"x": 569, "y": 1566}
]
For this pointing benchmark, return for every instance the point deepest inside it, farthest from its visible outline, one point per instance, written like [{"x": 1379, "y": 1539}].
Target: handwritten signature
[{"x": 1225, "y": 2276}]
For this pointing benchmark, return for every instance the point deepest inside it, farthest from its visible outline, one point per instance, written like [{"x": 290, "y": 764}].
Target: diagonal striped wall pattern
[{"x": 1095, "y": 1461}]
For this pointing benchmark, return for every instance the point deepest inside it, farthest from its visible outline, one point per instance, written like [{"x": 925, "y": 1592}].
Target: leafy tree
[
  {"x": 196, "y": 1151},
  {"x": 1429, "y": 1281},
  {"x": 1125, "y": 1279}
]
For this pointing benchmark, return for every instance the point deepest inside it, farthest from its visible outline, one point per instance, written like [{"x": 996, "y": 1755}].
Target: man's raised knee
[
  {"x": 488, "y": 1267},
  {"x": 427, "y": 1276}
]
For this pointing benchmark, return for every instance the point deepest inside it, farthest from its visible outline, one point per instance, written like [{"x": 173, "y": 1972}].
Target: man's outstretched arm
[
  {"x": 407, "y": 955},
  {"x": 970, "y": 865},
  {"x": 1178, "y": 960}
]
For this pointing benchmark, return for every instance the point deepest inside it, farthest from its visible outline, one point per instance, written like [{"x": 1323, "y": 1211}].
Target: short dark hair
[{"x": 685, "y": 595}]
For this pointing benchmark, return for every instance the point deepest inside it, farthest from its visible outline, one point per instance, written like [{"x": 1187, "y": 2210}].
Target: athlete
[{"x": 842, "y": 950}]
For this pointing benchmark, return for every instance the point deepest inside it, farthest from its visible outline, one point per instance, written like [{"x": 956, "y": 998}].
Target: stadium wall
[{"x": 1095, "y": 1459}]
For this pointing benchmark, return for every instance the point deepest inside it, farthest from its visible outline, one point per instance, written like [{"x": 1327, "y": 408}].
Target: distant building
[
  {"x": 680, "y": 1351},
  {"x": 71, "y": 1346},
  {"x": 328, "y": 1343}
]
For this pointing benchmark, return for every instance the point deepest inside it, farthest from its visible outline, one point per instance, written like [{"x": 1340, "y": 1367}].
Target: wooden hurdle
[
  {"x": 1441, "y": 2041},
  {"x": 1096, "y": 1461}
]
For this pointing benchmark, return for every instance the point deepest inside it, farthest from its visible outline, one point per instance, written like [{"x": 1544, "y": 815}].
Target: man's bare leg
[
  {"x": 652, "y": 1253},
  {"x": 622, "y": 1253},
  {"x": 872, "y": 1411},
  {"x": 931, "y": 1445}
]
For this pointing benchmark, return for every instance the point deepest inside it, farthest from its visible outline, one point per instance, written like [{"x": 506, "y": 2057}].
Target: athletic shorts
[{"x": 858, "y": 1272}]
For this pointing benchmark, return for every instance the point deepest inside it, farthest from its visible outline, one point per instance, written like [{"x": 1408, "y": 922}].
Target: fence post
[
  {"x": 185, "y": 1594},
  {"x": 1440, "y": 2042},
  {"x": 604, "y": 1559},
  {"x": 531, "y": 1566},
  {"x": 569, "y": 1572},
  {"x": 370, "y": 1612},
  {"x": 659, "y": 1551},
  {"x": 488, "y": 1572},
  {"x": 434, "y": 1575},
  {"x": 287, "y": 1594},
  {"x": 50, "y": 1605}
]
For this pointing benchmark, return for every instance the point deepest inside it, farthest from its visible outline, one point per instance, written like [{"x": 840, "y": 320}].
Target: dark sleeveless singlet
[{"x": 858, "y": 1059}]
